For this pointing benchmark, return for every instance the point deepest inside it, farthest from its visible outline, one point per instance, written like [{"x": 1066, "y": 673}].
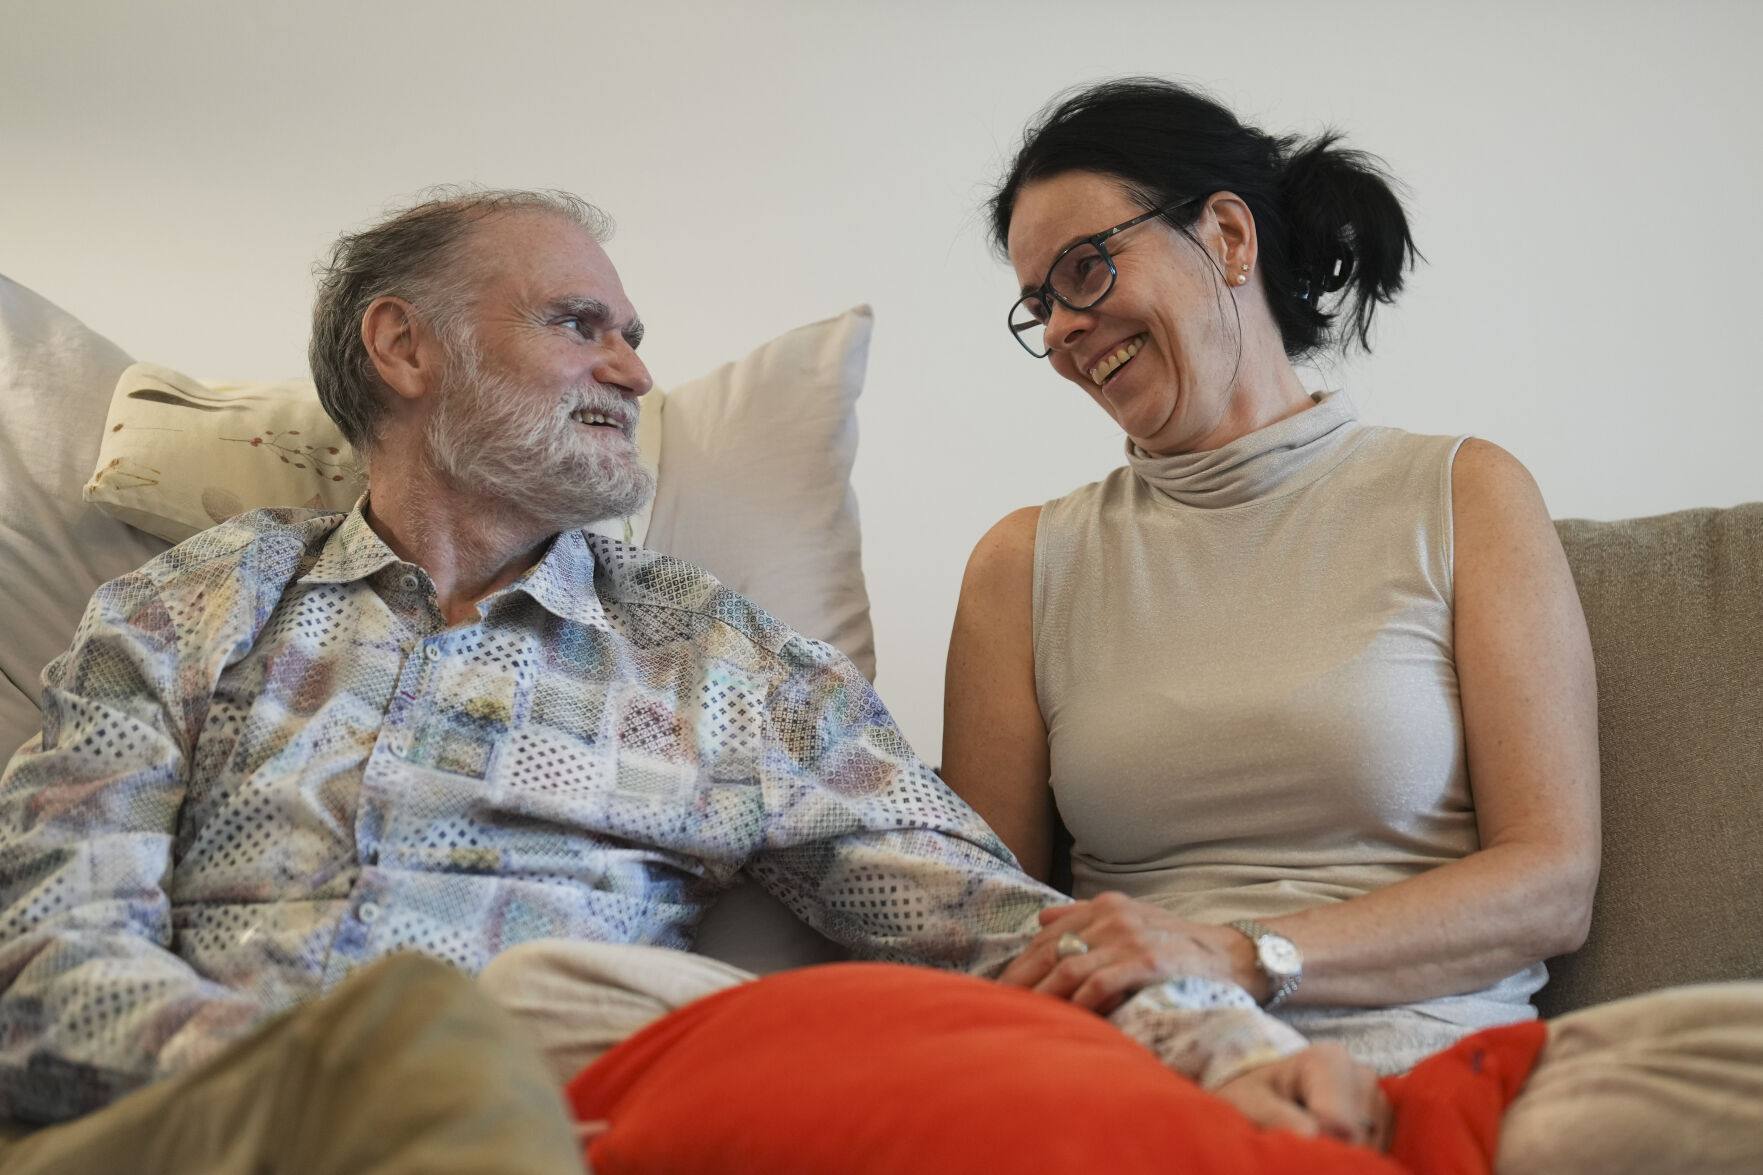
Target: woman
[{"x": 1316, "y": 697}]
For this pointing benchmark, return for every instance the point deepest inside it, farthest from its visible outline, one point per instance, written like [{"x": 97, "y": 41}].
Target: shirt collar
[
  {"x": 352, "y": 552},
  {"x": 562, "y": 582}
]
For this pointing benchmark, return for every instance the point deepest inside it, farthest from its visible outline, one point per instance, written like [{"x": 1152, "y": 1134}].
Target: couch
[{"x": 754, "y": 462}]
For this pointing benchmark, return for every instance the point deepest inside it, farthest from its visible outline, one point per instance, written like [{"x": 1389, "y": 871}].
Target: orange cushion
[{"x": 871, "y": 1067}]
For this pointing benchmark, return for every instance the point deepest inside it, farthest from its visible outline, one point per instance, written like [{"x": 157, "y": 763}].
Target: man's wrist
[{"x": 1208, "y": 1029}]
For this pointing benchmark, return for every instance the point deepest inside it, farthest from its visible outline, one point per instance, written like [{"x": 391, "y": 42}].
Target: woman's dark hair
[{"x": 1327, "y": 218}]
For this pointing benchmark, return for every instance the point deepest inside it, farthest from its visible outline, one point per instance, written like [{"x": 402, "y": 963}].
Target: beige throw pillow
[{"x": 179, "y": 455}]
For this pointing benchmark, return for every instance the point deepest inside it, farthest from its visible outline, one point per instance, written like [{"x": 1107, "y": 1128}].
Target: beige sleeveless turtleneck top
[{"x": 1244, "y": 662}]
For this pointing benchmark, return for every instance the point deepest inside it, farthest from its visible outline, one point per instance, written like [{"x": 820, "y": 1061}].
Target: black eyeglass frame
[{"x": 1046, "y": 293}]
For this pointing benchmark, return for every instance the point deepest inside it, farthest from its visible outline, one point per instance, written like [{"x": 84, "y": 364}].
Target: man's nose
[{"x": 626, "y": 370}]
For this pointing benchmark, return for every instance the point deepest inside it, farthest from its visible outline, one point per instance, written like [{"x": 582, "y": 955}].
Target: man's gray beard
[{"x": 489, "y": 436}]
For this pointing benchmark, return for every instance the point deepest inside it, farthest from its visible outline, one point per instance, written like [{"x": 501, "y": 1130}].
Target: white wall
[{"x": 1585, "y": 182}]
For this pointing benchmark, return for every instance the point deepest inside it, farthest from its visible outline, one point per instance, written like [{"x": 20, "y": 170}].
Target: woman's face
[{"x": 1172, "y": 395}]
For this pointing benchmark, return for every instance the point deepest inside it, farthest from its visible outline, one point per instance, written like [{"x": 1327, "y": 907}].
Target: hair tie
[{"x": 1333, "y": 276}]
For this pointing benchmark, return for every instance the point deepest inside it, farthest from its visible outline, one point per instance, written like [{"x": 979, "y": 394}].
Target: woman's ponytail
[{"x": 1346, "y": 233}]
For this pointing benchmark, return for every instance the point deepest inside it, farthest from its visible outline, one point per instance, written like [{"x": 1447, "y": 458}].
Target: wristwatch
[{"x": 1279, "y": 960}]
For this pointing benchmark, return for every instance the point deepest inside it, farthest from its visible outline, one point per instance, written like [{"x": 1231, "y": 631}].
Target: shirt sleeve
[
  {"x": 865, "y": 843},
  {"x": 1209, "y": 1030},
  {"x": 93, "y": 1001}
]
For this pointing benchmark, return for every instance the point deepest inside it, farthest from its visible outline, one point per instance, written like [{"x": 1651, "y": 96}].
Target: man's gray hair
[{"x": 414, "y": 255}]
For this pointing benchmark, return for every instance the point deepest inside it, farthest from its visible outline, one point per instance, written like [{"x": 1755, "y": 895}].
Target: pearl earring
[{"x": 1241, "y": 278}]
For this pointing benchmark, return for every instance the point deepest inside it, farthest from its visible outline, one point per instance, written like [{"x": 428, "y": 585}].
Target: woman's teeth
[{"x": 1101, "y": 371}]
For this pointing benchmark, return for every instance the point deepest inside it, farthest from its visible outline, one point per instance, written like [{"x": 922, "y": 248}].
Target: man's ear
[{"x": 401, "y": 347}]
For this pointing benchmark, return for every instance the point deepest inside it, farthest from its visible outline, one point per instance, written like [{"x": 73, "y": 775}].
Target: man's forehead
[{"x": 537, "y": 257}]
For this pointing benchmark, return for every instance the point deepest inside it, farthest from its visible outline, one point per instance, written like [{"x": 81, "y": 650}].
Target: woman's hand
[
  {"x": 1132, "y": 944},
  {"x": 1320, "y": 1091}
]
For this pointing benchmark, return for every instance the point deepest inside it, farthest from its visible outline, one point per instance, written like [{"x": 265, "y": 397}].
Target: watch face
[{"x": 1279, "y": 955}]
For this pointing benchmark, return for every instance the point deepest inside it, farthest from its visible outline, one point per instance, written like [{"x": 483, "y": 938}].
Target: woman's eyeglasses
[{"x": 1079, "y": 278}]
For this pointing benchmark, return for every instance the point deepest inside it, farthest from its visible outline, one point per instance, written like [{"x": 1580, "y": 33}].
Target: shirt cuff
[{"x": 1209, "y": 1031}]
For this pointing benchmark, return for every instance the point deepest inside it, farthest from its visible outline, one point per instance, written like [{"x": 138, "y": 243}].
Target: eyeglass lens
[{"x": 1080, "y": 279}]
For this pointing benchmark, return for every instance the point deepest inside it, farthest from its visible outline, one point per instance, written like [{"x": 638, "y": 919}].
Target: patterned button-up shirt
[{"x": 268, "y": 761}]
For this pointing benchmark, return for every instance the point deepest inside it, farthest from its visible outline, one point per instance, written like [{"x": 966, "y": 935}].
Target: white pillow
[
  {"x": 55, "y": 382},
  {"x": 755, "y": 480}
]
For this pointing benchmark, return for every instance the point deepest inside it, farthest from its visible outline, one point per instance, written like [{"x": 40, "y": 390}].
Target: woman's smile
[{"x": 1102, "y": 372}]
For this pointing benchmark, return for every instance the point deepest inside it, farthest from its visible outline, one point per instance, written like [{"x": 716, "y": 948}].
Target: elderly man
[{"x": 451, "y": 722}]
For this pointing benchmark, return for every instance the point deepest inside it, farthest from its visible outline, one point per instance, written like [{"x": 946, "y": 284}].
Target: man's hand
[
  {"x": 1132, "y": 944},
  {"x": 1320, "y": 1091}
]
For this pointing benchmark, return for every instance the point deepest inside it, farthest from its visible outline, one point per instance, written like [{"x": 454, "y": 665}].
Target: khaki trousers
[
  {"x": 405, "y": 1068},
  {"x": 576, "y": 1000},
  {"x": 1666, "y": 1083}
]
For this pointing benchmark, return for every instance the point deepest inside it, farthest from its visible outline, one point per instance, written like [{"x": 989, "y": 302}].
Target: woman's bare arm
[
  {"x": 994, "y": 742},
  {"x": 1530, "y": 720}
]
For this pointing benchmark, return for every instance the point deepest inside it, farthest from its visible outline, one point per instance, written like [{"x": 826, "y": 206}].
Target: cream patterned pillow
[{"x": 179, "y": 455}]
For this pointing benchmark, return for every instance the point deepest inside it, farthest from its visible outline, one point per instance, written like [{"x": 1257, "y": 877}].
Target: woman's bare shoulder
[
  {"x": 1487, "y": 475},
  {"x": 1005, "y": 553}
]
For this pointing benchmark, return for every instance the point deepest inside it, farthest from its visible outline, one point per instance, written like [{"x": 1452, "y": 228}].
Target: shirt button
[
  {"x": 407, "y": 582},
  {"x": 432, "y": 652},
  {"x": 368, "y": 913},
  {"x": 398, "y": 744}
]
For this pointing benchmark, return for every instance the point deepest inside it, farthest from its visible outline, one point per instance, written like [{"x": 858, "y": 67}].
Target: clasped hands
[{"x": 1132, "y": 944}]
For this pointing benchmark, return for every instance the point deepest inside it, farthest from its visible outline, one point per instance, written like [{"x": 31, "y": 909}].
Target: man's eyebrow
[{"x": 597, "y": 312}]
